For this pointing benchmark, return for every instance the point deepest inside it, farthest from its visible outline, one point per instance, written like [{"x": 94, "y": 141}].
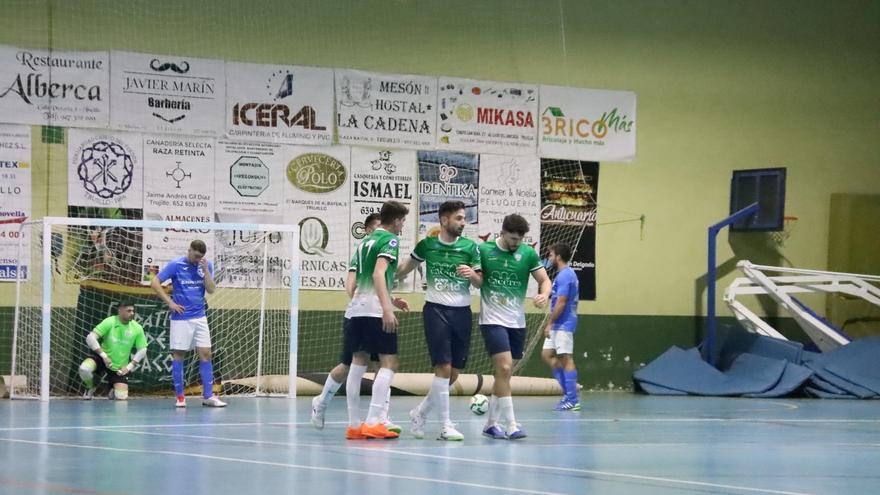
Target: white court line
[
  {"x": 282, "y": 464},
  {"x": 525, "y": 420},
  {"x": 607, "y": 474},
  {"x": 748, "y": 445}
]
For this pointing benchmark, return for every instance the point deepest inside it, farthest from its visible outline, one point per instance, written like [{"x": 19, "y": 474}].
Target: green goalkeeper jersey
[
  {"x": 445, "y": 285},
  {"x": 117, "y": 340},
  {"x": 379, "y": 244},
  {"x": 505, "y": 281}
]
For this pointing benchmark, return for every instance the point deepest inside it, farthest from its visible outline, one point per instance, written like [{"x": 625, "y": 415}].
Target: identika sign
[{"x": 249, "y": 176}]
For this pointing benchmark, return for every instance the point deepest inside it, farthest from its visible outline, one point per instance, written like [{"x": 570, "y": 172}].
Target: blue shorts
[
  {"x": 367, "y": 336},
  {"x": 448, "y": 333},
  {"x": 345, "y": 356},
  {"x": 503, "y": 339}
]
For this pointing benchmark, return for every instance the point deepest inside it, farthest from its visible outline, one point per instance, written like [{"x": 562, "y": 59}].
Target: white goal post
[{"x": 73, "y": 269}]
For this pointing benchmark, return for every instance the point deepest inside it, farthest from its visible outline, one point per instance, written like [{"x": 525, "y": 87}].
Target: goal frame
[{"x": 46, "y": 284}]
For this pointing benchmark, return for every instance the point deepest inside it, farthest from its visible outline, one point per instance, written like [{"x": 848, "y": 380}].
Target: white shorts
[
  {"x": 560, "y": 341},
  {"x": 186, "y": 333}
]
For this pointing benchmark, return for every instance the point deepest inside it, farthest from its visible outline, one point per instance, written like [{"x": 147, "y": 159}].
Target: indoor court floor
[{"x": 619, "y": 443}]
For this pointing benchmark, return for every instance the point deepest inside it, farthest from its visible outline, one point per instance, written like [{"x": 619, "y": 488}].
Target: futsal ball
[{"x": 479, "y": 404}]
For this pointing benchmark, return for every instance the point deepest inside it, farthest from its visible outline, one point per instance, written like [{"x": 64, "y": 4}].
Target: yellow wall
[{"x": 721, "y": 85}]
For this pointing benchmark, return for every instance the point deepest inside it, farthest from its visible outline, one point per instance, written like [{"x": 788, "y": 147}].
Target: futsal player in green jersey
[
  {"x": 373, "y": 323},
  {"x": 352, "y": 365},
  {"x": 507, "y": 264},
  {"x": 453, "y": 265},
  {"x": 111, "y": 343}
]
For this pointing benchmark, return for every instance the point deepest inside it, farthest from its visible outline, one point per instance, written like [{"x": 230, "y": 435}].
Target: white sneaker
[
  {"x": 89, "y": 394},
  {"x": 449, "y": 433},
  {"x": 180, "y": 402},
  {"x": 417, "y": 426},
  {"x": 213, "y": 401},
  {"x": 318, "y": 413}
]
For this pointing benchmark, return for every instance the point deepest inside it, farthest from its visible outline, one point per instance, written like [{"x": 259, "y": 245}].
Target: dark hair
[
  {"x": 449, "y": 207},
  {"x": 199, "y": 246},
  {"x": 391, "y": 211},
  {"x": 124, "y": 303},
  {"x": 372, "y": 217},
  {"x": 562, "y": 250},
  {"x": 515, "y": 224}
]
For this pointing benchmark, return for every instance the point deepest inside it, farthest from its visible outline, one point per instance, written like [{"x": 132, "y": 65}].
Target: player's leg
[
  {"x": 384, "y": 344},
  {"x": 437, "y": 338},
  {"x": 517, "y": 338},
  {"x": 497, "y": 342},
  {"x": 334, "y": 379},
  {"x": 202, "y": 338},
  {"x": 358, "y": 327},
  {"x": 565, "y": 351},
  {"x": 356, "y": 372},
  {"x": 181, "y": 340},
  {"x": 118, "y": 386},
  {"x": 89, "y": 369},
  {"x": 461, "y": 321},
  {"x": 548, "y": 355}
]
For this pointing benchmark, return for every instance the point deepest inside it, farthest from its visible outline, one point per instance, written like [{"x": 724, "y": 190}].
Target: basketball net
[{"x": 780, "y": 236}]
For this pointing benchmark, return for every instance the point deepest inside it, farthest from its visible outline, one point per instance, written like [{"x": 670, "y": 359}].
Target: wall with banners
[{"x": 731, "y": 94}]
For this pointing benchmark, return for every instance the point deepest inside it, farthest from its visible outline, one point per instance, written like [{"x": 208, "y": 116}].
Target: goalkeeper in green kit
[{"x": 111, "y": 343}]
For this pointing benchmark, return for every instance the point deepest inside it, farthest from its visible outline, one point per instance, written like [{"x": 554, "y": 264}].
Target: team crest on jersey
[
  {"x": 517, "y": 256},
  {"x": 393, "y": 243}
]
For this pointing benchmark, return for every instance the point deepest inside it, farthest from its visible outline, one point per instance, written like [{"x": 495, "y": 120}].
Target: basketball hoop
[{"x": 780, "y": 236}]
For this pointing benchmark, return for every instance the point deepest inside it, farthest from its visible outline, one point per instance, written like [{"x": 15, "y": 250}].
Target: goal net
[{"x": 81, "y": 268}]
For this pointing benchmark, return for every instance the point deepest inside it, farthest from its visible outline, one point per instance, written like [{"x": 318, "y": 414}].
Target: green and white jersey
[
  {"x": 380, "y": 243},
  {"x": 505, "y": 281},
  {"x": 117, "y": 340},
  {"x": 445, "y": 286}
]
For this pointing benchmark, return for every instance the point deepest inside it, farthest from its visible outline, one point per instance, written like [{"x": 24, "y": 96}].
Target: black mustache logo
[{"x": 157, "y": 66}]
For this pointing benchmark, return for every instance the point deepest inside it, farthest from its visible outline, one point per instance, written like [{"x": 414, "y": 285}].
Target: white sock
[
  {"x": 331, "y": 386},
  {"x": 353, "y": 393},
  {"x": 505, "y": 409},
  {"x": 493, "y": 411},
  {"x": 427, "y": 404},
  {"x": 387, "y": 406},
  {"x": 381, "y": 386},
  {"x": 440, "y": 391}
]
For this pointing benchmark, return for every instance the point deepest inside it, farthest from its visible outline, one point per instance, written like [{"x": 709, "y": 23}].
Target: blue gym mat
[{"x": 753, "y": 365}]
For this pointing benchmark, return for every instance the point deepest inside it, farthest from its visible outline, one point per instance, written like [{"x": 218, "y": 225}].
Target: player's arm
[
  {"x": 407, "y": 267},
  {"x": 555, "y": 313},
  {"x": 135, "y": 360},
  {"x": 351, "y": 283},
  {"x": 156, "y": 284},
  {"x": 208, "y": 269},
  {"x": 93, "y": 341},
  {"x": 473, "y": 272},
  {"x": 139, "y": 356},
  {"x": 474, "y": 275},
  {"x": 389, "y": 320},
  {"x": 544, "y": 286}
]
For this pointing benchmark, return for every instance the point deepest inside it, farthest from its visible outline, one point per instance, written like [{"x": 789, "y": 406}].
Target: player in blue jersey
[
  {"x": 191, "y": 276},
  {"x": 558, "y": 351}
]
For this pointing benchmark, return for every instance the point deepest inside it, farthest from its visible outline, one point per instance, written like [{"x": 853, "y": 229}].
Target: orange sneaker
[
  {"x": 352, "y": 433},
  {"x": 379, "y": 430}
]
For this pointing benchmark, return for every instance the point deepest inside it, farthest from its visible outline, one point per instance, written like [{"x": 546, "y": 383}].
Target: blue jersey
[
  {"x": 565, "y": 284},
  {"x": 188, "y": 282}
]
